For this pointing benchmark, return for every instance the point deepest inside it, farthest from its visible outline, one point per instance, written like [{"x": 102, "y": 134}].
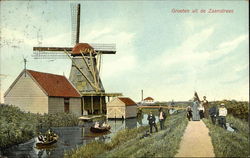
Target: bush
[
  {"x": 239, "y": 109},
  {"x": 17, "y": 126}
]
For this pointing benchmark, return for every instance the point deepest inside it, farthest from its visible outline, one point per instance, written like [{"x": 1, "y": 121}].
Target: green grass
[
  {"x": 230, "y": 144},
  {"x": 17, "y": 126},
  {"x": 128, "y": 142}
]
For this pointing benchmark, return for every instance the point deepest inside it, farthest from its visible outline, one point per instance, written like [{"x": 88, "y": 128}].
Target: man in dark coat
[
  {"x": 189, "y": 113},
  {"x": 151, "y": 122},
  {"x": 213, "y": 112},
  {"x": 162, "y": 118}
]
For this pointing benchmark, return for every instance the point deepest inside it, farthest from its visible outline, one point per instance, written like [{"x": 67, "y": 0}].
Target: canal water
[{"x": 71, "y": 137}]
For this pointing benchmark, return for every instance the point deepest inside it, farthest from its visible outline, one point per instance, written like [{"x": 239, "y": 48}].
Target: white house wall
[
  {"x": 27, "y": 95},
  {"x": 115, "y": 109},
  {"x": 116, "y": 112}
]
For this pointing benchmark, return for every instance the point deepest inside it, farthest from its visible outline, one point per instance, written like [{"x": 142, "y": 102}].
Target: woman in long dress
[{"x": 195, "y": 111}]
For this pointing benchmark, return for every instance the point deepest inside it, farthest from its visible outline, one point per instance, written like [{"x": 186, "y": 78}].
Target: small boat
[
  {"x": 100, "y": 129},
  {"x": 47, "y": 144}
]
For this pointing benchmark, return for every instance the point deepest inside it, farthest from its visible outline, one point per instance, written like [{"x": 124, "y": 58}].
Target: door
[{"x": 66, "y": 105}]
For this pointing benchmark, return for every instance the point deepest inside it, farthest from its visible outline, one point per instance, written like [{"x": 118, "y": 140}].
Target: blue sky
[{"x": 168, "y": 55}]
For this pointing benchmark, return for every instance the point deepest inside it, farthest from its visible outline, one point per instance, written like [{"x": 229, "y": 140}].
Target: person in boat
[
  {"x": 50, "y": 136},
  {"x": 151, "y": 122},
  {"x": 97, "y": 125},
  {"x": 105, "y": 125},
  {"x": 41, "y": 137}
]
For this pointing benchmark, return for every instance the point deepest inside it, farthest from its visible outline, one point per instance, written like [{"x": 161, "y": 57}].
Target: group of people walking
[
  {"x": 200, "y": 110},
  {"x": 152, "y": 120}
]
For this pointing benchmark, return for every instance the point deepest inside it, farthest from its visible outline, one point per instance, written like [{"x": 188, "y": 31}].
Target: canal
[{"x": 70, "y": 138}]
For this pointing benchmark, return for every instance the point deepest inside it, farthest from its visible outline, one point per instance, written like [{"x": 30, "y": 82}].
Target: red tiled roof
[
  {"x": 81, "y": 47},
  {"x": 149, "y": 98},
  {"x": 127, "y": 101},
  {"x": 54, "y": 85}
]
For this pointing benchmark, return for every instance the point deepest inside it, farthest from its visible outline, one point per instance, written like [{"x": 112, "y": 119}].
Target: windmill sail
[{"x": 75, "y": 23}]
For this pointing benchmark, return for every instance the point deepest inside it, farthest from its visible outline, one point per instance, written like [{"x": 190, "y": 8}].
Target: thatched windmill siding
[
  {"x": 39, "y": 92},
  {"x": 121, "y": 107}
]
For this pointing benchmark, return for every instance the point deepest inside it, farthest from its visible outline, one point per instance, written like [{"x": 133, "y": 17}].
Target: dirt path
[{"x": 196, "y": 142}]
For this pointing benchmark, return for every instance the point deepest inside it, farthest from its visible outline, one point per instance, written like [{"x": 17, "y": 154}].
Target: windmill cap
[{"x": 84, "y": 48}]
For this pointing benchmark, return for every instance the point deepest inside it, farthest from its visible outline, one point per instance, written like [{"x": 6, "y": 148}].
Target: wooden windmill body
[{"x": 85, "y": 69}]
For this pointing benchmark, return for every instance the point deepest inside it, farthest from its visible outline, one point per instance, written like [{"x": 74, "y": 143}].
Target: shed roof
[
  {"x": 54, "y": 85},
  {"x": 127, "y": 101},
  {"x": 149, "y": 98}
]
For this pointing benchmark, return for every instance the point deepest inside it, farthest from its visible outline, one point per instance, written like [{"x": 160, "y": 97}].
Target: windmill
[{"x": 85, "y": 68}]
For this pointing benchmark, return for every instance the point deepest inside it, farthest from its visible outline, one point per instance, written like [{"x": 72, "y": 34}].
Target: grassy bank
[
  {"x": 17, "y": 126},
  {"x": 128, "y": 142},
  {"x": 230, "y": 144}
]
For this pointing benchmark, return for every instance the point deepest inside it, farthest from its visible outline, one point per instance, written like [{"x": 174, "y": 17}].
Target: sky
[{"x": 167, "y": 54}]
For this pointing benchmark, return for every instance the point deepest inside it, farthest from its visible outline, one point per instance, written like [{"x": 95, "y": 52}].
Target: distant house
[
  {"x": 148, "y": 100},
  {"x": 121, "y": 107},
  {"x": 39, "y": 92}
]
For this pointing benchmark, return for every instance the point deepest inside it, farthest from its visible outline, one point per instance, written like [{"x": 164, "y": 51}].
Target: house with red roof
[
  {"x": 121, "y": 108},
  {"x": 39, "y": 92},
  {"x": 148, "y": 100}
]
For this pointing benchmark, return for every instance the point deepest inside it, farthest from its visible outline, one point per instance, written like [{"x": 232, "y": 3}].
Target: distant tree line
[{"x": 239, "y": 109}]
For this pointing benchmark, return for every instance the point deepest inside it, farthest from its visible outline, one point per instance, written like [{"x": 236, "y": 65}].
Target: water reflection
[{"x": 71, "y": 137}]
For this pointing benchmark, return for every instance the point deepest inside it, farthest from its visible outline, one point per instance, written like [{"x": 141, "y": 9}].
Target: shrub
[{"x": 17, "y": 126}]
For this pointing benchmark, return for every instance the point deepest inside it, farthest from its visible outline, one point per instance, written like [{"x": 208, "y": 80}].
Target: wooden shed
[
  {"x": 121, "y": 107},
  {"x": 39, "y": 92}
]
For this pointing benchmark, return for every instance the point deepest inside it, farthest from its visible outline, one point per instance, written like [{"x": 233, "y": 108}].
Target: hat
[{"x": 222, "y": 104}]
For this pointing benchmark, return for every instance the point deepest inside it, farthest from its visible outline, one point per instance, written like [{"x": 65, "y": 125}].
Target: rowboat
[
  {"x": 99, "y": 129},
  {"x": 47, "y": 144}
]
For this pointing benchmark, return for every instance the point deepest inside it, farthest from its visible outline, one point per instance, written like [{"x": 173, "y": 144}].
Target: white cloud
[
  {"x": 190, "y": 63},
  {"x": 186, "y": 54},
  {"x": 233, "y": 43},
  {"x": 125, "y": 58}
]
